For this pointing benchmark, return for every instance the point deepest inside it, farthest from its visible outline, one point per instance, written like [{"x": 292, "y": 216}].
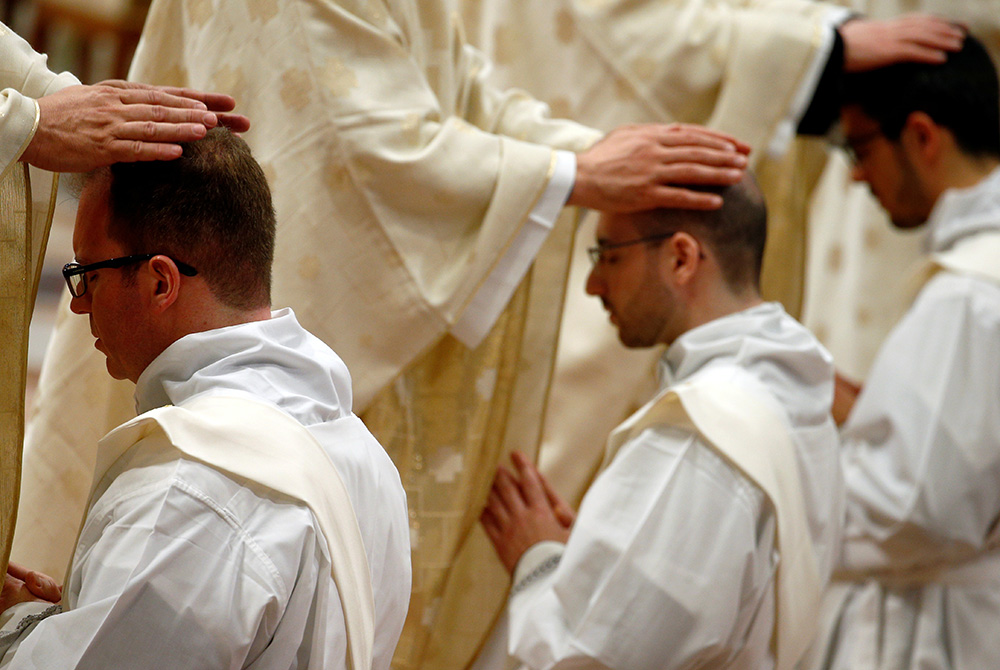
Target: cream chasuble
[
  {"x": 748, "y": 433},
  {"x": 604, "y": 64},
  {"x": 400, "y": 178}
]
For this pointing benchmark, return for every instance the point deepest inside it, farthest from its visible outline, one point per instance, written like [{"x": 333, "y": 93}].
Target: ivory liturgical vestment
[
  {"x": 191, "y": 558},
  {"x": 919, "y": 586},
  {"x": 698, "y": 547},
  {"x": 406, "y": 188}
]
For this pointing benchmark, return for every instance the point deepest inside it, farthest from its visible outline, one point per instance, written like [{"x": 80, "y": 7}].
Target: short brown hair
[
  {"x": 736, "y": 233},
  {"x": 211, "y": 208}
]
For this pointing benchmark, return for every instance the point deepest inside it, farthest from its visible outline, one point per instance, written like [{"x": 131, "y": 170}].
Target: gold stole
[
  {"x": 254, "y": 441},
  {"x": 749, "y": 435},
  {"x": 22, "y": 247}
]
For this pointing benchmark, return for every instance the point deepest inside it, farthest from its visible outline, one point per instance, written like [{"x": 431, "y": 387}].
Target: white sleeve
[
  {"x": 785, "y": 131},
  {"x": 489, "y": 301},
  {"x": 668, "y": 561},
  {"x": 23, "y": 77},
  {"x": 922, "y": 445},
  {"x": 173, "y": 581}
]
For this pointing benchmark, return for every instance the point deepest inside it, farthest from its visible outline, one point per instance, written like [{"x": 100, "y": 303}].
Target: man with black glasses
[{"x": 246, "y": 517}]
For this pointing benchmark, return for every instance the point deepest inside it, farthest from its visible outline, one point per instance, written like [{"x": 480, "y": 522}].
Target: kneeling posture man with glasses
[
  {"x": 246, "y": 518},
  {"x": 709, "y": 534}
]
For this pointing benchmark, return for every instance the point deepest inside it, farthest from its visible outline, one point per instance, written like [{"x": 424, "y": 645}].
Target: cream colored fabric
[
  {"x": 16, "y": 297},
  {"x": 25, "y": 224},
  {"x": 605, "y": 64},
  {"x": 608, "y": 63},
  {"x": 225, "y": 433},
  {"x": 399, "y": 177},
  {"x": 855, "y": 288},
  {"x": 750, "y": 435}
]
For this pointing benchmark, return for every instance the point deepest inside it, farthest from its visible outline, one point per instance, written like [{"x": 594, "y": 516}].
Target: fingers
[
  {"x": 216, "y": 102},
  {"x": 235, "y": 122},
  {"x": 506, "y": 486},
  {"x": 564, "y": 513},
  {"x": 530, "y": 482},
  {"x": 17, "y": 570},
  {"x": 679, "y": 134},
  {"x": 175, "y": 96},
  {"x": 36, "y": 583}
]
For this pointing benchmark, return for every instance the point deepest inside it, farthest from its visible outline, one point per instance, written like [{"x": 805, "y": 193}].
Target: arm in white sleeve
[
  {"x": 170, "y": 575},
  {"x": 922, "y": 445},
  {"x": 669, "y": 560},
  {"x": 23, "y": 77},
  {"x": 491, "y": 298},
  {"x": 784, "y": 133}
]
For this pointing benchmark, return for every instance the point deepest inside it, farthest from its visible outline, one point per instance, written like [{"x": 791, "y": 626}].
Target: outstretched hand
[
  {"x": 919, "y": 38},
  {"x": 85, "y": 127},
  {"x": 522, "y": 510},
  {"x": 641, "y": 167},
  {"x": 24, "y": 585}
]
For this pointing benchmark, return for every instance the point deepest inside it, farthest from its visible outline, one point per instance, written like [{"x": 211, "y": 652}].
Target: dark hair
[
  {"x": 735, "y": 234},
  {"x": 960, "y": 95},
  {"x": 211, "y": 208}
]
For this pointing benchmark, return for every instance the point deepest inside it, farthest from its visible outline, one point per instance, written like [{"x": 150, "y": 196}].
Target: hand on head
[
  {"x": 81, "y": 128},
  {"x": 919, "y": 38},
  {"x": 640, "y": 167},
  {"x": 522, "y": 509}
]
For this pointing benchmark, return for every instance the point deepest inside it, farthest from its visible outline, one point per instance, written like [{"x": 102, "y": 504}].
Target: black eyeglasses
[
  {"x": 857, "y": 147},
  {"x": 596, "y": 253},
  {"x": 76, "y": 274}
]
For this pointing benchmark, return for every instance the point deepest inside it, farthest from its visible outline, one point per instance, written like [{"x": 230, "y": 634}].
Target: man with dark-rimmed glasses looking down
[
  {"x": 246, "y": 517},
  {"x": 707, "y": 537}
]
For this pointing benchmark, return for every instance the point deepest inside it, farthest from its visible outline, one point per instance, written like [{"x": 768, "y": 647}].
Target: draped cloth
[
  {"x": 225, "y": 432},
  {"x": 606, "y": 63},
  {"x": 25, "y": 228},
  {"x": 749, "y": 434},
  {"x": 400, "y": 177}
]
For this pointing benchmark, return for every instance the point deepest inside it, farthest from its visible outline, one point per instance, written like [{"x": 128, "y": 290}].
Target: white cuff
[
  {"x": 539, "y": 561},
  {"x": 492, "y": 297}
]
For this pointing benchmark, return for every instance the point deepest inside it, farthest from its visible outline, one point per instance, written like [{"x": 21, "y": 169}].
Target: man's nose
[
  {"x": 594, "y": 285},
  {"x": 857, "y": 172},
  {"x": 80, "y": 305}
]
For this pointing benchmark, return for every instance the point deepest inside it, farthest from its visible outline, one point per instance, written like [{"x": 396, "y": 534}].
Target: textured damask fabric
[{"x": 400, "y": 177}]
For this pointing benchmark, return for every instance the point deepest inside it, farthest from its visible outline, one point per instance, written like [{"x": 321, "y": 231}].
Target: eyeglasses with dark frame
[
  {"x": 596, "y": 253},
  {"x": 76, "y": 274}
]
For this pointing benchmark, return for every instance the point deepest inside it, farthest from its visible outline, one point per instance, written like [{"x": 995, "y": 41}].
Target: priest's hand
[
  {"x": 522, "y": 510},
  {"x": 24, "y": 585},
  {"x": 845, "y": 394},
  {"x": 85, "y": 127},
  {"x": 639, "y": 167},
  {"x": 920, "y": 38}
]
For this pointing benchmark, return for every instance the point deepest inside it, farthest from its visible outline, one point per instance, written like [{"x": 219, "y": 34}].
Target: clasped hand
[{"x": 522, "y": 509}]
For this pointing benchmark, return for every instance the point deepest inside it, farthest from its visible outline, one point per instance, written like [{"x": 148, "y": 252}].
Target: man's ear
[
  {"x": 683, "y": 258},
  {"x": 922, "y": 137},
  {"x": 164, "y": 282}
]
